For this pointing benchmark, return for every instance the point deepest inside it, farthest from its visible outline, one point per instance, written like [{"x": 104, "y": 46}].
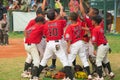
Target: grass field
[{"x": 10, "y": 69}]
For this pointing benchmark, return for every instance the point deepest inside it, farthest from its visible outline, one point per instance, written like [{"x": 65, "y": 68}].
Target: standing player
[
  {"x": 75, "y": 45},
  {"x": 87, "y": 18},
  {"x": 53, "y": 31},
  {"x": 100, "y": 42},
  {"x": 28, "y": 61},
  {"x": 3, "y": 22},
  {"x": 33, "y": 37}
]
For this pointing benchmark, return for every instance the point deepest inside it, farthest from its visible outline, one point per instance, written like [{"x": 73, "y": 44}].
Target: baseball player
[
  {"x": 87, "y": 19},
  {"x": 100, "y": 42},
  {"x": 33, "y": 36},
  {"x": 53, "y": 65},
  {"x": 75, "y": 44},
  {"x": 53, "y": 31},
  {"x": 28, "y": 61},
  {"x": 3, "y": 28}
]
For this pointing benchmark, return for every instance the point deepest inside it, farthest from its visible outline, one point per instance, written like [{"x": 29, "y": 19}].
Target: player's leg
[
  {"x": 83, "y": 57},
  {"x": 27, "y": 66},
  {"x": 74, "y": 62},
  {"x": 1, "y": 37},
  {"x": 41, "y": 47},
  {"x": 53, "y": 65},
  {"x": 92, "y": 57},
  {"x": 47, "y": 55},
  {"x": 64, "y": 45},
  {"x": 101, "y": 53},
  {"x": 107, "y": 65},
  {"x": 73, "y": 52},
  {"x": 6, "y": 42},
  {"x": 36, "y": 60},
  {"x": 60, "y": 53}
]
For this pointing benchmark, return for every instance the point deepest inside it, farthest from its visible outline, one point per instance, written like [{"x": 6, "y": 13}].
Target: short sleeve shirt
[
  {"x": 53, "y": 30},
  {"x": 98, "y": 36},
  {"x": 74, "y": 32}
]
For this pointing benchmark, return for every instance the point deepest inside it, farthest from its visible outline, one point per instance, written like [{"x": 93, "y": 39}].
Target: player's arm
[
  {"x": 70, "y": 3},
  {"x": 62, "y": 14},
  {"x": 68, "y": 46},
  {"x": 25, "y": 33},
  {"x": 82, "y": 8},
  {"x": 43, "y": 5}
]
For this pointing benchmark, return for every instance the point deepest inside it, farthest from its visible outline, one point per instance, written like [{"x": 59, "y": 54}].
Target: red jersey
[
  {"x": 53, "y": 30},
  {"x": 85, "y": 37},
  {"x": 98, "y": 36},
  {"x": 102, "y": 24},
  {"x": 89, "y": 23},
  {"x": 74, "y": 32},
  {"x": 34, "y": 34},
  {"x": 31, "y": 23}
]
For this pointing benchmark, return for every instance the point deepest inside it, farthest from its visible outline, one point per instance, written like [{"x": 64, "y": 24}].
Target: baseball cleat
[
  {"x": 35, "y": 78},
  {"x": 52, "y": 67},
  {"x": 26, "y": 74},
  {"x": 112, "y": 75},
  {"x": 89, "y": 77},
  {"x": 97, "y": 78}
]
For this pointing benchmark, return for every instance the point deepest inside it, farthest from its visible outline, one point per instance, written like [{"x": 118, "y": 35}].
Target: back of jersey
[{"x": 54, "y": 30}]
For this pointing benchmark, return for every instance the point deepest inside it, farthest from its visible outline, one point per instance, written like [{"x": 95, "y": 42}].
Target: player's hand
[
  {"x": 68, "y": 50},
  {"x": 57, "y": 0},
  {"x": 81, "y": 0},
  {"x": 94, "y": 53},
  {"x": 110, "y": 50}
]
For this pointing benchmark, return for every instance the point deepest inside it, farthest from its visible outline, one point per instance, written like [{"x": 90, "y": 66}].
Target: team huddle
[{"x": 64, "y": 37}]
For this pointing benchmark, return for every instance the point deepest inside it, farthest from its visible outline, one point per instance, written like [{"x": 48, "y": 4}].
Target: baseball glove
[
  {"x": 48, "y": 74},
  {"x": 78, "y": 68},
  {"x": 59, "y": 75},
  {"x": 80, "y": 75}
]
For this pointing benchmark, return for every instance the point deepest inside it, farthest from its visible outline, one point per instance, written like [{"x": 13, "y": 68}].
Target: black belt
[
  {"x": 105, "y": 44},
  {"x": 29, "y": 44},
  {"x": 54, "y": 40}
]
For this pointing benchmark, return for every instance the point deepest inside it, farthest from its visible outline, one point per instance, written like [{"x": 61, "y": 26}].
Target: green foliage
[{"x": 5, "y": 2}]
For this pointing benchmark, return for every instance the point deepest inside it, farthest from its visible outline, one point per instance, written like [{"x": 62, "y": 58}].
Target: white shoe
[
  {"x": 66, "y": 78},
  {"x": 101, "y": 78},
  {"x": 25, "y": 74},
  {"x": 112, "y": 75},
  {"x": 35, "y": 78},
  {"x": 89, "y": 77},
  {"x": 97, "y": 78}
]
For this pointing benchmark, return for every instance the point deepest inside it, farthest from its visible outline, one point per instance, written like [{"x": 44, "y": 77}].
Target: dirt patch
[{"x": 14, "y": 49}]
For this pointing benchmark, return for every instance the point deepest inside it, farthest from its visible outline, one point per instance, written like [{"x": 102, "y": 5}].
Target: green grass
[
  {"x": 10, "y": 69},
  {"x": 114, "y": 42},
  {"x": 16, "y": 34}
]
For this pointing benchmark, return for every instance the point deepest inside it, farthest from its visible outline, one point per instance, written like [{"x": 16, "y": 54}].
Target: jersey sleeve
[
  {"x": 89, "y": 23},
  {"x": 68, "y": 34},
  {"x": 45, "y": 30},
  {"x": 94, "y": 36},
  {"x": 30, "y": 24},
  {"x": 63, "y": 22}
]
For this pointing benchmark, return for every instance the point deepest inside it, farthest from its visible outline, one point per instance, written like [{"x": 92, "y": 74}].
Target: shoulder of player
[{"x": 97, "y": 29}]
